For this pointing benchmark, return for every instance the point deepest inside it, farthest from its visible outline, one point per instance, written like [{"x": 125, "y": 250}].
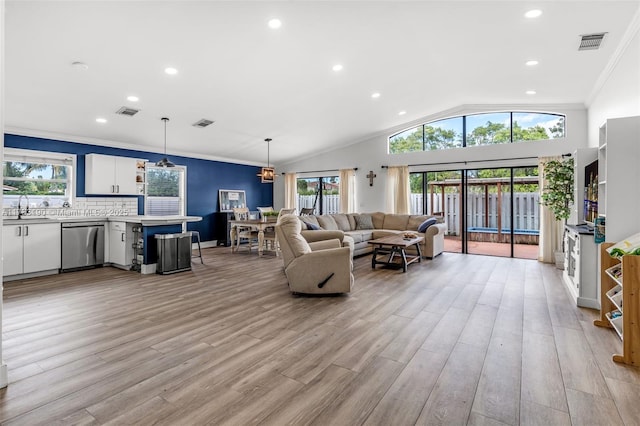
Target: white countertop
[{"x": 141, "y": 219}]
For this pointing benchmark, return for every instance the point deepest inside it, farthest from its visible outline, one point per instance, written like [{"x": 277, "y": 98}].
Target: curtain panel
[
  {"x": 398, "y": 190},
  {"x": 290, "y": 190},
  {"x": 347, "y": 190}
]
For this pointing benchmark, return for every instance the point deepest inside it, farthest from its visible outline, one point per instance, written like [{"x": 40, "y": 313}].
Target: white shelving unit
[
  {"x": 618, "y": 177},
  {"x": 141, "y": 176}
]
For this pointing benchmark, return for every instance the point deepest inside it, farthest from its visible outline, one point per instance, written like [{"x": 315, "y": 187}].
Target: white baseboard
[{"x": 205, "y": 244}]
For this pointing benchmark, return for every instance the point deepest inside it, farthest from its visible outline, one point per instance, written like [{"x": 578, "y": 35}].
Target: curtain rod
[
  {"x": 472, "y": 161},
  {"x": 319, "y": 171}
]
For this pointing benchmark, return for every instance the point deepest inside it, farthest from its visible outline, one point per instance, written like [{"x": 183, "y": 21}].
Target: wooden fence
[{"x": 526, "y": 209}]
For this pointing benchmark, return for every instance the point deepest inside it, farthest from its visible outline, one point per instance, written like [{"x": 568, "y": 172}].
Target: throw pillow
[
  {"x": 364, "y": 221},
  {"x": 427, "y": 223},
  {"x": 312, "y": 227}
]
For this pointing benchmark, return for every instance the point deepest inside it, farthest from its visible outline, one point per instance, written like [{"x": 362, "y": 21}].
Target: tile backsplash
[{"x": 84, "y": 207}]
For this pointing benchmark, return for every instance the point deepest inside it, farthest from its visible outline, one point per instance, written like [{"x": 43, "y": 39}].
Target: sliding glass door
[
  {"x": 440, "y": 194},
  {"x": 322, "y": 194},
  {"x": 487, "y": 211}
]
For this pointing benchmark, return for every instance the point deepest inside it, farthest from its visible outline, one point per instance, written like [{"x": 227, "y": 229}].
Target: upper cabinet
[{"x": 106, "y": 174}]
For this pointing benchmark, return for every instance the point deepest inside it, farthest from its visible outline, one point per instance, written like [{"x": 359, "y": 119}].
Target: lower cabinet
[
  {"x": 581, "y": 266},
  {"x": 222, "y": 228},
  {"x": 31, "y": 248},
  {"x": 121, "y": 251}
]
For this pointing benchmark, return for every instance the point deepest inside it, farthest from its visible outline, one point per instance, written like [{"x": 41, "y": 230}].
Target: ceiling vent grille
[
  {"x": 591, "y": 41},
  {"x": 202, "y": 123},
  {"x": 129, "y": 112}
]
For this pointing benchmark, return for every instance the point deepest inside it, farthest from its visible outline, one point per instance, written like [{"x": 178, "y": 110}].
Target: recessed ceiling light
[
  {"x": 375, "y": 95},
  {"x": 80, "y": 65},
  {"x": 402, "y": 112},
  {"x": 533, "y": 13},
  {"x": 133, "y": 98},
  {"x": 101, "y": 120},
  {"x": 171, "y": 71},
  {"x": 337, "y": 67},
  {"x": 274, "y": 23},
  {"x": 531, "y": 63},
  {"x": 530, "y": 92}
]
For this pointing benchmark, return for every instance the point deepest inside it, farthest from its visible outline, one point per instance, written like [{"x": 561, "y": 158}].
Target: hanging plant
[{"x": 558, "y": 193}]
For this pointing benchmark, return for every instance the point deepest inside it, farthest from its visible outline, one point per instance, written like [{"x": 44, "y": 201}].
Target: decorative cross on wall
[{"x": 370, "y": 176}]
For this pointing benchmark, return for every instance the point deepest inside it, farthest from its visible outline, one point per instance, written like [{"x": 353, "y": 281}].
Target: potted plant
[
  {"x": 270, "y": 216},
  {"x": 558, "y": 194}
]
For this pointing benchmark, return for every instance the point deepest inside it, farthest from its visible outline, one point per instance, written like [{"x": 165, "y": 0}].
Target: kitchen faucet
[{"x": 20, "y": 207}]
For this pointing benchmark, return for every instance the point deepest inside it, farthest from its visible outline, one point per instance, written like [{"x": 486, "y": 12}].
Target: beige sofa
[{"x": 383, "y": 224}]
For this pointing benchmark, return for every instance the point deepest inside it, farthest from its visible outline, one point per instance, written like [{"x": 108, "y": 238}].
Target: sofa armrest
[
  {"x": 438, "y": 228},
  {"x": 320, "y": 235},
  {"x": 325, "y": 244}
]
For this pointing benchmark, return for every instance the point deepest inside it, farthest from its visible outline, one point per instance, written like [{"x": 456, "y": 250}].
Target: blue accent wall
[{"x": 204, "y": 177}]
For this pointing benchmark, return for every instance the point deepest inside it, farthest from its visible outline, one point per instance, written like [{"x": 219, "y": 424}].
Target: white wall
[
  {"x": 371, "y": 154},
  {"x": 618, "y": 91}
]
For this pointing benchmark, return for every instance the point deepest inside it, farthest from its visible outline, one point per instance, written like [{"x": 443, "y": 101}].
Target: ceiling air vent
[
  {"x": 202, "y": 123},
  {"x": 129, "y": 112},
  {"x": 591, "y": 41}
]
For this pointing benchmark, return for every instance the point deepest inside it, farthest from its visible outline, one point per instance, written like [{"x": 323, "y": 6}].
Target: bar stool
[{"x": 196, "y": 234}]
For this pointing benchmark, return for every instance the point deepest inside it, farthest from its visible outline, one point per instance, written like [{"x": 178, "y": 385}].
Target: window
[
  {"x": 165, "y": 191},
  {"x": 480, "y": 129},
  {"x": 443, "y": 134},
  {"x": 488, "y": 129},
  {"x": 532, "y": 126},
  {"x": 45, "y": 178},
  {"x": 408, "y": 141},
  {"x": 309, "y": 194}
]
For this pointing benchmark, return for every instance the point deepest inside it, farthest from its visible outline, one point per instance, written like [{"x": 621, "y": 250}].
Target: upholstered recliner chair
[{"x": 313, "y": 268}]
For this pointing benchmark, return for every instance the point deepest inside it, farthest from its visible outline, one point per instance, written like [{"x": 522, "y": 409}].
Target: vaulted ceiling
[{"x": 256, "y": 82}]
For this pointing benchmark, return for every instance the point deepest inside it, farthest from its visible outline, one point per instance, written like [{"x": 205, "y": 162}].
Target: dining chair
[
  {"x": 244, "y": 233},
  {"x": 270, "y": 237}
]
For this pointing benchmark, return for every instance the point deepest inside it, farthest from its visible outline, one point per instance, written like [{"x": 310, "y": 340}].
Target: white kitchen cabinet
[
  {"x": 107, "y": 174},
  {"x": 121, "y": 250},
  {"x": 581, "y": 266},
  {"x": 31, "y": 248}
]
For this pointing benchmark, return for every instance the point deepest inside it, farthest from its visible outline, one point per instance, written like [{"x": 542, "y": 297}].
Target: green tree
[
  {"x": 163, "y": 183},
  {"x": 409, "y": 143}
]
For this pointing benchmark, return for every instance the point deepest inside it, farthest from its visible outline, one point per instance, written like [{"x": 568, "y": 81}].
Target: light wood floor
[{"x": 457, "y": 340}]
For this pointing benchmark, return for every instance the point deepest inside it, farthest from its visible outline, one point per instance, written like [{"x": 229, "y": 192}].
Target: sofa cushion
[
  {"x": 361, "y": 236},
  {"x": 327, "y": 222},
  {"x": 427, "y": 223},
  {"x": 342, "y": 221},
  {"x": 364, "y": 221},
  {"x": 377, "y": 218},
  {"x": 379, "y": 233},
  {"x": 352, "y": 220},
  {"x": 396, "y": 221},
  {"x": 310, "y": 219}
]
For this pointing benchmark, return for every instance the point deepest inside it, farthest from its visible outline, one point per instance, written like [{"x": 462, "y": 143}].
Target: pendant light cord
[{"x": 165, "y": 119}]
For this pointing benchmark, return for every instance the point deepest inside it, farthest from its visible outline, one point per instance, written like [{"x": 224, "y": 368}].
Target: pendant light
[
  {"x": 165, "y": 162},
  {"x": 268, "y": 174}
]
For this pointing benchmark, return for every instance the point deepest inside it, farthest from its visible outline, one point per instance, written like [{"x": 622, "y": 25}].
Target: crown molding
[{"x": 624, "y": 44}]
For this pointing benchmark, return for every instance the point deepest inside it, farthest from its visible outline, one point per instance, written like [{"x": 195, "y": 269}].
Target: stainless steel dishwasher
[{"x": 82, "y": 245}]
